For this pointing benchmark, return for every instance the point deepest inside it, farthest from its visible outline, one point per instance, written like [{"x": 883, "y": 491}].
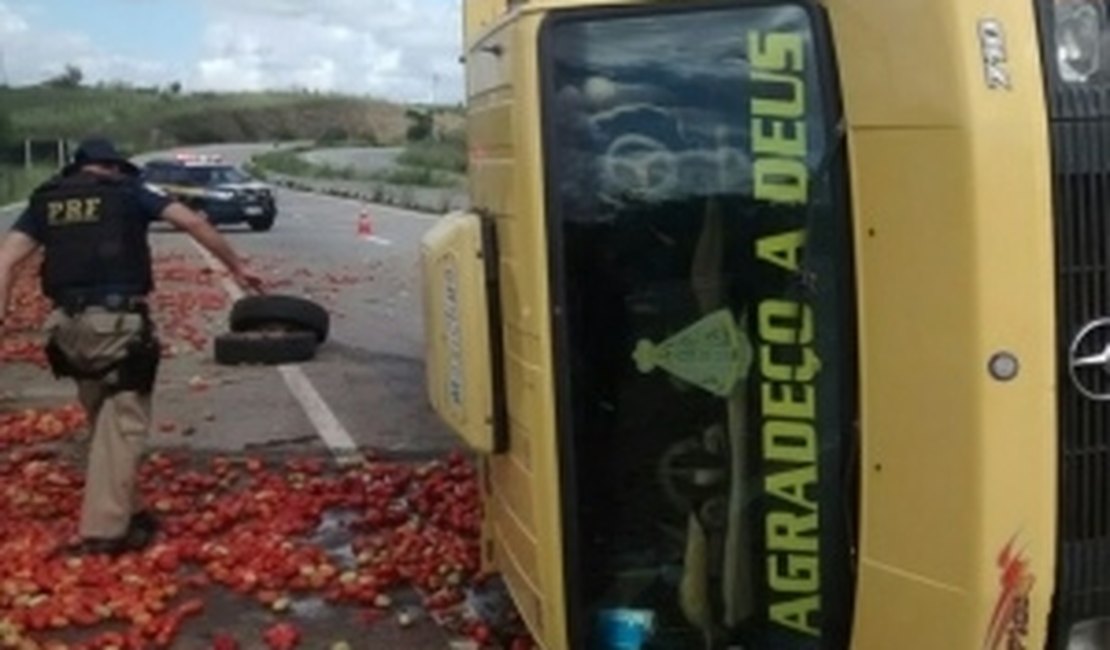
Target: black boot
[
  {"x": 89, "y": 547},
  {"x": 141, "y": 530}
]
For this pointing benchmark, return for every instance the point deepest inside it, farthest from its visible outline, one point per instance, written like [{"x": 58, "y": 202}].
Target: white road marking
[
  {"x": 374, "y": 239},
  {"x": 419, "y": 216},
  {"x": 328, "y": 426},
  {"x": 334, "y": 434},
  {"x": 13, "y": 206}
]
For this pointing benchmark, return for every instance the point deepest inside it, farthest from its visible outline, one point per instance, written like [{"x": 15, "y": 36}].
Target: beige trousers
[{"x": 120, "y": 420}]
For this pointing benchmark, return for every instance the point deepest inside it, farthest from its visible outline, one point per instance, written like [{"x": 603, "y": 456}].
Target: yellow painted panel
[
  {"x": 921, "y": 404},
  {"x": 514, "y": 483},
  {"x": 507, "y": 184},
  {"x": 529, "y": 251},
  {"x": 522, "y": 400},
  {"x": 459, "y": 378},
  {"x": 527, "y": 595},
  {"x": 903, "y": 62},
  {"x": 492, "y": 188},
  {"x": 512, "y": 534},
  {"x": 492, "y": 128},
  {"x": 480, "y": 15},
  {"x": 954, "y": 237},
  {"x": 891, "y": 625}
]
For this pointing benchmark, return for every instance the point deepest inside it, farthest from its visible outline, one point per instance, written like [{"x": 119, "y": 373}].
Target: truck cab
[{"x": 784, "y": 325}]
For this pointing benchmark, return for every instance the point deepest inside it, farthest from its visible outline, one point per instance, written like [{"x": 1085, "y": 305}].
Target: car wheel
[
  {"x": 268, "y": 348},
  {"x": 253, "y": 312},
  {"x": 261, "y": 225}
]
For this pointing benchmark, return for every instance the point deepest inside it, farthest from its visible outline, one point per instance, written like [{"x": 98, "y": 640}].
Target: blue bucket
[{"x": 624, "y": 629}]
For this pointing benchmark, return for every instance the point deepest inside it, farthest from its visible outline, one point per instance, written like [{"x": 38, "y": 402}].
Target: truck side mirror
[{"x": 465, "y": 376}]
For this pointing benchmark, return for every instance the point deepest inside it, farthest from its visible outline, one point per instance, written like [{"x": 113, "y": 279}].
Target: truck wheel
[
  {"x": 254, "y": 312},
  {"x": 269, "y": 348}
]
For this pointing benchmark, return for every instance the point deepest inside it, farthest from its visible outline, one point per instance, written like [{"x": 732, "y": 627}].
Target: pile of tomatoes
[
  {"x": 243, "y": 524},
  {"x": 186, "y": 303},
  {"x": 27, "y": 311}
]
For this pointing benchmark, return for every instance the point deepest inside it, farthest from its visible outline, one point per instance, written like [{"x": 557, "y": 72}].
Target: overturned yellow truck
[{"x": 785, "y": 325}]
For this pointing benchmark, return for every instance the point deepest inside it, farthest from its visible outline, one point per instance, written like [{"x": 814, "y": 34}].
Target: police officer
[{"x": 91, "y": 222}]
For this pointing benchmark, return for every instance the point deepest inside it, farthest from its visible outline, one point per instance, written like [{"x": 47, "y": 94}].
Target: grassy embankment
[
  {"x": 16, "y": 183},
  {"x": 430, "y": 163},
  {"x": 150, "y": 119}
]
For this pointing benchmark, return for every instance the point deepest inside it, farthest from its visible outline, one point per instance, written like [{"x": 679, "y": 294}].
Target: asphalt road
[{"x": 369, "y": 376}]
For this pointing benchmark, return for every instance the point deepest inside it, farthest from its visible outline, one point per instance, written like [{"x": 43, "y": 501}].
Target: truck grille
[
  {"x": 1081, "y": 154},
  {"x": 1080, "y": 139}
]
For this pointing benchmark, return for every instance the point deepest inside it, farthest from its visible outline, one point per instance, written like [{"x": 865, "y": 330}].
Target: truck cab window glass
[{"x": 695, "y": 198}]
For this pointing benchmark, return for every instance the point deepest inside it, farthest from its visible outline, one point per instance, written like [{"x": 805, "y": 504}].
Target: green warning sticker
[{"x": 713, "y": 354}]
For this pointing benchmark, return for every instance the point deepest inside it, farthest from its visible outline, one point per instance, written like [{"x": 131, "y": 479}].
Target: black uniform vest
[{"x": 95, "y": 237}]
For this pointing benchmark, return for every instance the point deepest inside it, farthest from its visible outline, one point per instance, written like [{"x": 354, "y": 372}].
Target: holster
[
  {"x": 137, "y": 372},
  {"x": 61, "y": 366}
]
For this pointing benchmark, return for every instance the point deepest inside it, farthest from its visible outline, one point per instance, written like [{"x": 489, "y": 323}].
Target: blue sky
[
  {"x": 115, "y": 21},
  {"x": 402, "y": 49}
]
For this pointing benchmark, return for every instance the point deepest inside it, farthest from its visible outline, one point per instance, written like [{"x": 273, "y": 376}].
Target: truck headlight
[
  {"x": 222, "y": 195},
  {"x": 1078, "y": 28},
  {"x": 1090, "y": 635}
]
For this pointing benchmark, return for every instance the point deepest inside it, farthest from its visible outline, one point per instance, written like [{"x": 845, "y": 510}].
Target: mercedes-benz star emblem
[{"x": 1089, "y": 360}]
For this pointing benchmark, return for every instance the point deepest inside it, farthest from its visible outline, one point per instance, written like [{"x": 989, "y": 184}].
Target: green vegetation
[
  {"x": 7, "y": 131},
  {"x": 421, "y": 125},
  {"x": 421, "y": 164},
  {"x": 288, "y": 162},
  {"x": 71, "y": 78},
  {"x": 430, "y": 163},
  {"x": 16, "y": 183},
  {"x": 143, "y": 119},
  {"x": 416, "y": 176},
  {"x": 448, "y": 154},
  {"x": 337, "y": 136}
]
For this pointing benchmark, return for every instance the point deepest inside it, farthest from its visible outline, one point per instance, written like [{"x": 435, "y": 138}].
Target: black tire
[
  {"x": 254, "y": 312},
  {"x": 261, "y": 225},
  {"x": 264, "y": 348}
]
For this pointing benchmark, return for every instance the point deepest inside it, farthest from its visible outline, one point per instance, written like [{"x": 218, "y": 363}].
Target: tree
[
  {"x": 334, "y": 135},
  {"x": 7, "y": 130},
  {"x": 421, "y": 125},
  {"x": 8, "y": 139},
  {"x": 71, "y": 78},
  {"x": 175, "y": 88}
]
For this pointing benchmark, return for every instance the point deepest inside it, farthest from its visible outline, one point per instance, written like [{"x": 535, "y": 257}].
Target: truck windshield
[{"x": 701, "y": 250}]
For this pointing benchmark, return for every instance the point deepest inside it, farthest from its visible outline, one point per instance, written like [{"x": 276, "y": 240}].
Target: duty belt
[{"x": 77, "y": 303}]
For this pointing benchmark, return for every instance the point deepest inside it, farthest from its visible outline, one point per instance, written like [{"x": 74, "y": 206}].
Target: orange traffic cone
[{"x": 365, "y": 224}]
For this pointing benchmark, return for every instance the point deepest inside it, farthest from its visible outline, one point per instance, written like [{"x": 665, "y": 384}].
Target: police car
[{"x": 223, "y": 192}]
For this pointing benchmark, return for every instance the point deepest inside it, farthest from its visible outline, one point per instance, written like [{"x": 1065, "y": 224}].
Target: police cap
[{"x": 100, "y": 150}]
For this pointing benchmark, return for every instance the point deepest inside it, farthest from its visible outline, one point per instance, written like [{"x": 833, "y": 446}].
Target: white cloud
[
  {"x": 399, "y": 49},
  {"x": 404, "y": 49},
  {"x": 30, "y": 54},
  {"x": 11, "y": 23}
]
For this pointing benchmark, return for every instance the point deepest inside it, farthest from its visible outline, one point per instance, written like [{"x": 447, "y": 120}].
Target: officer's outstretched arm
[
  {"x": 203, "y": 232},
  {"x": 14, "y": 248}
]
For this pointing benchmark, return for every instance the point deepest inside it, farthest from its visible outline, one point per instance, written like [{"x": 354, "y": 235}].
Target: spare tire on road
[
  {"x": 255, "y": 312},
  {"x": 268, "y": 348}
]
